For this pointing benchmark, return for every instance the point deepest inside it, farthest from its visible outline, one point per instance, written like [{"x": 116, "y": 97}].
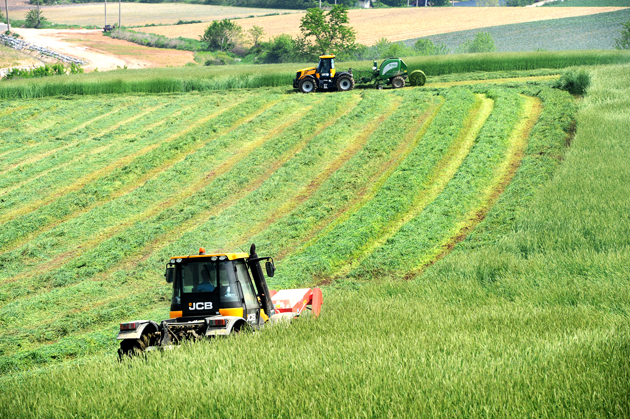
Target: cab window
[
  {"x": 203, "y": 276},
  {"x": 242, "y": 274}
]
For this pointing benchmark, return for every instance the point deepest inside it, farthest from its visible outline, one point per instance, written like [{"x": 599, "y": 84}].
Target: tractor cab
[
  {"x": 216, "y": 295},
  {"x": 221, "y": 284},
  {"x": 326, "y": 67}
]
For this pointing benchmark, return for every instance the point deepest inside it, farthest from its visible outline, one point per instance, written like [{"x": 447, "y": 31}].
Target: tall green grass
[
  {"x": 528, "y": 318},
  {"x": 186, "y": 79}
]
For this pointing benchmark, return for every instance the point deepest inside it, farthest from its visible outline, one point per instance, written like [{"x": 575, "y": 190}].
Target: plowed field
[{"x": 400, "y": 23}]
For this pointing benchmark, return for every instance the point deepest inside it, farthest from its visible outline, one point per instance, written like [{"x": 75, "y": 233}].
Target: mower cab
[{"x": 216, "y": 295}]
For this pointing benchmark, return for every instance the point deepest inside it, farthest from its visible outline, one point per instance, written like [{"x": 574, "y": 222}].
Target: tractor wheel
[
  {"x": 307, "y": 86},
  {"x": 398, "y": 82},
  {"x": 417, "y": 78},
  {"x": 345, "y": 83},
  {"x": 132, "y": 347}
]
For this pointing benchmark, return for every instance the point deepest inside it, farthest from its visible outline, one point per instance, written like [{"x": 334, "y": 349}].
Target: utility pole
[
  {"x": 119, "y": 14},
  {"x": 6, "y": 6},
  {"x": 105, "y": 12}
]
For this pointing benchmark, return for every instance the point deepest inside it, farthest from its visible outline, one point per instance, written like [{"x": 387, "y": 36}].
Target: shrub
[
  {"x": 483, "y": 42},
  {"x": 280, "y": 49},
  {"x": 574, "y": 82},
  {"x": 623, "y": 42},
  {"x": 427, "y": 47},
  {"x": 34, "y": 18}
]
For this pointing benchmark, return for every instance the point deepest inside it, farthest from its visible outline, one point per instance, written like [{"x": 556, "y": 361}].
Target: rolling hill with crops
[
  {"x": 97, "y": 194},
  {"x": 469, "y": 250}
]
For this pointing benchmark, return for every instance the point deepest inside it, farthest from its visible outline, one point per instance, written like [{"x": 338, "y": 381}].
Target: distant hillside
[{"x": 573, "y": 33}]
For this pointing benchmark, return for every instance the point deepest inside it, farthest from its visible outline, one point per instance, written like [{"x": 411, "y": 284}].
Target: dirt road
[{"x": 101, "y": 52}]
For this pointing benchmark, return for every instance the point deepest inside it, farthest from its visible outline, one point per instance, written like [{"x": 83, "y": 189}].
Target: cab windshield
[{"x": 204, "y": 276}]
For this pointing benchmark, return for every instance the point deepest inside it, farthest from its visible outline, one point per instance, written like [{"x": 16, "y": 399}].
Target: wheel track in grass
[
  {"x": 316, "y": 183},
  {"x": 440, "y": 176},
  {"x": 172, "y": 200},
  {"x": 366, "y": 193},
  {"x": 85, "y": 140},
  {"x": 507, "y": 170},
  {"x": 113, "y": 166},
  {"x": 38, "y": 157},
  {"x": 168, "y": 237}
]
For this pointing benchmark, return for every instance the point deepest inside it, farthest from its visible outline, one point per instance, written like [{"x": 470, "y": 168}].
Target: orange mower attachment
[{"x": 295, "y": 301}]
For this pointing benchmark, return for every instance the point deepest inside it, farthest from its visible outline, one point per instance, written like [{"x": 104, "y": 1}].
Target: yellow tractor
[
  {"x": 217, "y": 294},
  {"x": 323, "y": 77}
]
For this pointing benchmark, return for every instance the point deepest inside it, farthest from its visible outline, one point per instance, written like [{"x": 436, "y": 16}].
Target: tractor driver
[
  {"x": 324, "y": 67},
  {"x": 205, "y": 285}
]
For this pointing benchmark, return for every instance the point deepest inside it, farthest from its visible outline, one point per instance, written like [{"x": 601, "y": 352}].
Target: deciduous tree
[
  {"x": 327, "y": 32},
  {"x": 222, "y": 35}
]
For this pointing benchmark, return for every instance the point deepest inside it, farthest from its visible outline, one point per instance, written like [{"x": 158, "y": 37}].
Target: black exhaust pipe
[{"x": 259, "y": 280}]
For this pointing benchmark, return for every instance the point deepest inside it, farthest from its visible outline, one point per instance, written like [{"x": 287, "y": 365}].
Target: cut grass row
[
  {"x": 422, "y": 238},
  {"x": 325, "y": 142},
  {"x": 170, "y": 80},
  {"x": 85, "y": 290},
  {"x": 101, "y": 302},
  {"x": 337, "y": 244},
  {"x": 153, "y": 150}
]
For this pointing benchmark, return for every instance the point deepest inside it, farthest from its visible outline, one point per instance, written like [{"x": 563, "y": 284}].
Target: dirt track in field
[
  {"x": 103, "y": 52},
  {"x": 401, "y": 23}
]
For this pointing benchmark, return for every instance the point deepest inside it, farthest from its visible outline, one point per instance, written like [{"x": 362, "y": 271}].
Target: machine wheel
[
  {"x": 417, "y": 78},
  {"x": 398, "y": 82},
  {"x": 132, "y": 347},
  {"x": 345, "y": 83},
  {"x": 307, "y": 85}
]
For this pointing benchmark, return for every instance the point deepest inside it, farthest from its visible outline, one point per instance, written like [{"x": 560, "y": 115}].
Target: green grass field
[
  {"x": 573, "y": 33},
  {"x": 188, "y": 79},
  {"x": 471, "y": 239}
]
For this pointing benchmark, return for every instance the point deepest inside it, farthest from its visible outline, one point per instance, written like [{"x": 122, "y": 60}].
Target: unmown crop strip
[
  {"x": 413, "y": 243},
  {"x": 337, "y": 245},
  {"x": 286, "y": 156},
  {"x": 147, "y": 161},
  {"x": 351, "y": 184},
  {"x": 233, "y": 122}
]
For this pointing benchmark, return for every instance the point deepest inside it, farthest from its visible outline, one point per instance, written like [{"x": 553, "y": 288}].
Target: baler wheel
[
  {"x": 398, "y": 82},
  {"x": 417, "y": 78}
]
